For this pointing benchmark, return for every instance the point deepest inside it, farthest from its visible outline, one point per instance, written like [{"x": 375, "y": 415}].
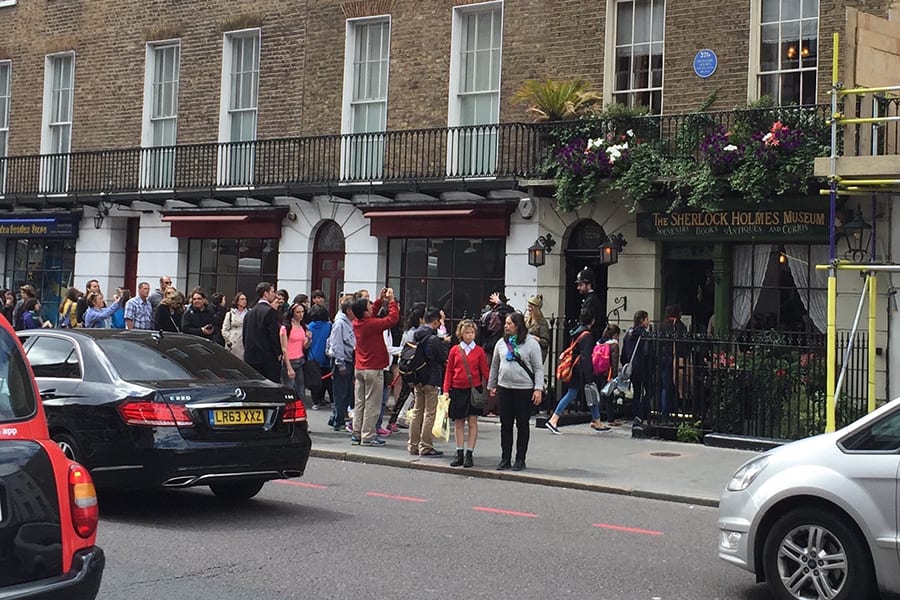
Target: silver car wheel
[{"x": 812, "y": 563}]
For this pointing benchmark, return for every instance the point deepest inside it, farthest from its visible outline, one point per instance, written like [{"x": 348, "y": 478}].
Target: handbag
[
  {"x": 592, "y": 394},
  {"x": 441, "y": 427},
  {"x": 609, "y": 387},
  {"x": 476, "y": 399},
  {"x": 312, "y": 375},
  {"x": 625, "y": 372}
]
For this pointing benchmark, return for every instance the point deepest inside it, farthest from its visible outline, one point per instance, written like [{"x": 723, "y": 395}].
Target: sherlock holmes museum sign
[{"x": 735, "y": 225}]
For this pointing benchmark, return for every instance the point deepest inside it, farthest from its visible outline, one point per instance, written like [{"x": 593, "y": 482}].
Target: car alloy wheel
[{"x": 810, "y": 554}]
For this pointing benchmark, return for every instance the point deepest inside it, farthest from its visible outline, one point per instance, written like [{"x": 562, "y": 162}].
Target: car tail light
[
  {"x": 157, "y": 414},
  {"x": 294, "y": 412},
  {"x": 83, "y": 501}
]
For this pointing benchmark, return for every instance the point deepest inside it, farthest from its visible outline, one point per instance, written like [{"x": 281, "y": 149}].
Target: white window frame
[
  {"x": 754, "y": 70},
  {"x": 362, "y": 157},
  {"x": 55, "y": 169},
  {"x": 236, "y": 163},
  {"x": 157, "y": 166},
  {"x": 7, "y": 3},
  {"x": 471, "y": 152},
  {"x": 609, "y": 70},
  {"x": 4, "y": 121}
]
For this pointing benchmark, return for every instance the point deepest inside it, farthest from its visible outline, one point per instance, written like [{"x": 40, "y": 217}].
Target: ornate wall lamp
[{"x": 537, "y": 253}]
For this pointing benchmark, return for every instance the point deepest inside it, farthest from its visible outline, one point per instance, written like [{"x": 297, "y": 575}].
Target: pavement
[{"x": 610, "y": 462}]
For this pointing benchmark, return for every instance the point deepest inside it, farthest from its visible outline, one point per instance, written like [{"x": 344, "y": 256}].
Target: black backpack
[{"x": 412, "y": 362}]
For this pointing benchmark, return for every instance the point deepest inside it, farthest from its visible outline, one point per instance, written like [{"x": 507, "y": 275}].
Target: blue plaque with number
[{"x": 705, "y": 63}]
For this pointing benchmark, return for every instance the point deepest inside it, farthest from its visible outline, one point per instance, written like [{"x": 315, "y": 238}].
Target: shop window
[
  {"x": 46, "y": 264},
  {"x": 229, "y": 266},
  {"x": 455, "y": 274},
  {"x": 777, "y": 287}
]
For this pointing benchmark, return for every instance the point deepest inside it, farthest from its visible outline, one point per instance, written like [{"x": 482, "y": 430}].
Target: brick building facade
[{"x": 303, "y": 95}]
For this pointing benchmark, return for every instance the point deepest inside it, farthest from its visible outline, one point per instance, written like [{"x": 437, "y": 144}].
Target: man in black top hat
[{"x": 584, "y": 282}]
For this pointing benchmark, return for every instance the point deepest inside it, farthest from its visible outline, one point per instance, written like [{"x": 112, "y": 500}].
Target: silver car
[{"x": 818, "y": 518}]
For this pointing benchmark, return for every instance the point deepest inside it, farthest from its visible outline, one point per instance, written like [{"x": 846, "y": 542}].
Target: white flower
[
  {"x": 630, "y": 133},
  {"x": 730, "y": 148},
  {"x": 768, "y": 137}
]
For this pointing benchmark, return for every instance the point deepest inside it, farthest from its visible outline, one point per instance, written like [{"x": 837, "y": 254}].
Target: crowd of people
[{"x": 353, "y": 360}]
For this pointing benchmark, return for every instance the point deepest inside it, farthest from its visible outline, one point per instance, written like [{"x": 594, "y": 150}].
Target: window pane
[
  {"x": 808, "y": 87},
  {"x": 770, "y": 11},
  {"x": 790, "y": 45},
  {"x": 624, "y": 18},
  {"x": 416, "y": 257},
  {"x": 768, "y": 56},
  {"x": 790, "y": 9},
  {"x": 642, "y": 23},
  {"x": 494, "y": 258},
  {"x": 810, "y": 8}
]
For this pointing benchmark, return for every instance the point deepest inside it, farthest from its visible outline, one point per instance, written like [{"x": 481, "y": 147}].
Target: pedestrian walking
[
  {"x": 636, "y": 352},
  {"x": 138, "y": 310},
  {"x": 610, "y": 338},
  {"x": 340, "y": 348},
  {"x": 467, "y": 370},
  {"x": 582, "y": 375},
  {"x": 584, "y": 283},
  {"x": 295, "y": 341},
  {"x": 371, "y": 358},
  {"x": 233, "y": 325},
  {"x": 517, "y": 379},
  {"x": 262, "y": 346}
]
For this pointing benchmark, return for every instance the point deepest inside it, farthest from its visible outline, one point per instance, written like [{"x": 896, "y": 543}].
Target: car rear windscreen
[{"x": 174, "y": 359}]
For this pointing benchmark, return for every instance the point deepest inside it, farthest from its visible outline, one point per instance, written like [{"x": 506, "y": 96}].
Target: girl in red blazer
[{"x": 456, "y": 384}]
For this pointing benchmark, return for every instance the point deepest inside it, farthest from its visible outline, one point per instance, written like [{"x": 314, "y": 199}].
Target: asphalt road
[{"x": 355, "y": 531}]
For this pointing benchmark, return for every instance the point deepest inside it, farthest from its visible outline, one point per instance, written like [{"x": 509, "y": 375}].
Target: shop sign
[
  {"x": 735, "y": 225},
  {"x": 46, "y": 227}
]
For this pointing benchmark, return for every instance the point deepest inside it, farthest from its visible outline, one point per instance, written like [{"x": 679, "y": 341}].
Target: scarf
[{"x": 512, "y": 348}]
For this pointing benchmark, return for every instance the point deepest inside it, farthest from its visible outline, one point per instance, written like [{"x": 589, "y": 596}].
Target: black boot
[
  {"x": 468, "y": 461},
  {"x": 458, "y": 461}
]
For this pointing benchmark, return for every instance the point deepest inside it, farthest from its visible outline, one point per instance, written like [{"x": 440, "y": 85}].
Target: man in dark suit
[{"x": 262, "y": 346}]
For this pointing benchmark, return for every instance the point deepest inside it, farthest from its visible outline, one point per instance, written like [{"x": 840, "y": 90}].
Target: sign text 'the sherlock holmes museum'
[{"x": 735, "y": 225}]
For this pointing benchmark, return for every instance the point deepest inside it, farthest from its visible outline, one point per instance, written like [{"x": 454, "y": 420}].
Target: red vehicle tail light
[
  {"x": 155, "y": 414},
  {"x": 294, "y": 412},
  {"x": 83, "y": 501}
]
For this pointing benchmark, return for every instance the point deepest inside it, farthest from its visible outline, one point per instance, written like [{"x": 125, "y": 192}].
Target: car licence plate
[{"x": 238, "y": 416}]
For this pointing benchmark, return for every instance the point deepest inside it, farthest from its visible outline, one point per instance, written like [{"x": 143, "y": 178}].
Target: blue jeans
[
  {"x": 342, "y": 386},
  {"x": 570, "y": 395}
]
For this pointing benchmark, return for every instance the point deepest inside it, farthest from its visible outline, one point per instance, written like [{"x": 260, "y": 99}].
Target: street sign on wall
[
  {"x": 32, "y": 227},
  {"x": 788, "y": 224}
]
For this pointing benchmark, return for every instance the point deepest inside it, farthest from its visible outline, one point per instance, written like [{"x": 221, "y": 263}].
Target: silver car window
[
  {"x": 17, "y": 398},
  {"x": 881, "y": 436}
]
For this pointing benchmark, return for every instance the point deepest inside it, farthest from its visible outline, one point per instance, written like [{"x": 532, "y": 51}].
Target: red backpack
[
  {"x": 600, "y": 358},
  {"x": 568, "y": 359}
]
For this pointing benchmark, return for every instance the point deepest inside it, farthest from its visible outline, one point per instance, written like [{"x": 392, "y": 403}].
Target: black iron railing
[
  {"x": 504, "y": 150},
  {"x": 763, "y": 384}
]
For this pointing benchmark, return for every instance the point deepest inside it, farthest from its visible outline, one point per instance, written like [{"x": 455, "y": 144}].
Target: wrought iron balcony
[{"x": 471, "y": 158}]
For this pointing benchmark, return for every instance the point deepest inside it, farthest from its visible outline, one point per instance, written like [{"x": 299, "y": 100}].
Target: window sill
[{"x": 7, "y": 3}]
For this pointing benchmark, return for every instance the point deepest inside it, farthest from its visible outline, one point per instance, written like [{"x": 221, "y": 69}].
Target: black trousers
[{"x": 515, "y": 405}]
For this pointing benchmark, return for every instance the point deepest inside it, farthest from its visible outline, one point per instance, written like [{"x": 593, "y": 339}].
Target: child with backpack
[
  {"x": 605, "y": 359},
  {"x": 578, "y": 361}
]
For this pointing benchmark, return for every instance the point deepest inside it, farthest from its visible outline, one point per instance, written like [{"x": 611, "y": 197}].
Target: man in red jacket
[{"x": 370, "y": 362}]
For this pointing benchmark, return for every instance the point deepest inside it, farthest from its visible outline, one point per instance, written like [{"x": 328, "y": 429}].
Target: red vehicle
[{"x": 48, "y": 506}]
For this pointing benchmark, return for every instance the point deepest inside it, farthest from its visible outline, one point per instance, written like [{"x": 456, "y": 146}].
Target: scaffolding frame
[{"x": 849, "y": 186}]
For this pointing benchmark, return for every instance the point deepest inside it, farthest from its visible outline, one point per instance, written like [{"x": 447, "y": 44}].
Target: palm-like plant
[{"x": 551, "y": 100}]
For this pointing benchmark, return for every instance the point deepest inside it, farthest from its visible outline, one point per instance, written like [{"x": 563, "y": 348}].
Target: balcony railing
[{"x": 287, "y": 165}]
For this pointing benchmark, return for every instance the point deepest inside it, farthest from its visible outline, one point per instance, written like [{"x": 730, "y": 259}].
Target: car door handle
[{"x": 48, "y": 394}]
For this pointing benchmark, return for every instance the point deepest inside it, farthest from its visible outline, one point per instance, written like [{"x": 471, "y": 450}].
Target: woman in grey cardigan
[{"x": 517, "y": 378}]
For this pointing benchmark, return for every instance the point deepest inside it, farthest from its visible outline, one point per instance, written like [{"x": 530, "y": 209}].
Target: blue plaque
[{"x": 705, "y": 63}]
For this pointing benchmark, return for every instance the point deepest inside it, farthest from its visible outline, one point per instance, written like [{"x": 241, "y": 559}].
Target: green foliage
[
  {"x": 689, "y": 433},
  {"x": 551, "y": 100},
  {"x": 755, "y": 153}
]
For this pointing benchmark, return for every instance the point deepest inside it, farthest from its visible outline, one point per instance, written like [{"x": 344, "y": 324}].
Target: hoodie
[{"x": 435, "y": 354}]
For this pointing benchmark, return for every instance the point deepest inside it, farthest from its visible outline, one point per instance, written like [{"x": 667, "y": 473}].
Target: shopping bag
[{"x": 441, "y": 427}]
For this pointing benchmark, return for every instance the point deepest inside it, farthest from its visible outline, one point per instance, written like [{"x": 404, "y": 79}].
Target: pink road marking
[
  {"x": 393, "y": 497},
  {"x": 627, "y": 529},
  {"x": 314, "y": 486},
  {"x": 500, "y": 511}
]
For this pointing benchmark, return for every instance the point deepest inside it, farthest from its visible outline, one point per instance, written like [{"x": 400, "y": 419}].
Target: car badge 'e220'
[{"x": 240, "y": 394}]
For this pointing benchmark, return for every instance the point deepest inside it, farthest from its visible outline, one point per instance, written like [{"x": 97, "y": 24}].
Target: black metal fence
[{"x": 757, "y": 383}]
